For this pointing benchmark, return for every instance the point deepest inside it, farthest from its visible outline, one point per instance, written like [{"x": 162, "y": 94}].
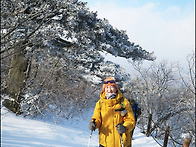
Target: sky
[
  {"x": 17, "y": 131},
  {"x": 165, "y": 27}
]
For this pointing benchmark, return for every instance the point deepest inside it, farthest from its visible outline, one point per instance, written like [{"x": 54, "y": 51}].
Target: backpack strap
[{"x": 121, "y": 101}]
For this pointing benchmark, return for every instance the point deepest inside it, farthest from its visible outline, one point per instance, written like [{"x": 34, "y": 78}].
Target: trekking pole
[
  {"x": 121, "y": 140},
  {"x": 91, "y": 134},
  {"x": 123, "y": 112}
]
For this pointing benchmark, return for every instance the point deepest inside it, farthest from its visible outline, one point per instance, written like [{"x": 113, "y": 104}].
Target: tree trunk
[
  {"x": 149, "y": 125},
  {"x": 166, "y": 136},
  {"x": 15, "y": 81},
  {"x": 186, "y": 142}
]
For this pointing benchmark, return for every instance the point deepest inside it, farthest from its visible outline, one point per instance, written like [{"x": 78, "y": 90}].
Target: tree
[
  {"x": 168, "y": 96},
  {"x": 46, "y": 32}
]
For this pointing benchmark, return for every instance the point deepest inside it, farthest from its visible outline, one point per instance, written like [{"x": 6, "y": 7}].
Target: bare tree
[{"x": 160, "y": 92}]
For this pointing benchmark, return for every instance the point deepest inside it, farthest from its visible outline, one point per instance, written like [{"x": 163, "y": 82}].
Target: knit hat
[{"x": 109, "y": 81}]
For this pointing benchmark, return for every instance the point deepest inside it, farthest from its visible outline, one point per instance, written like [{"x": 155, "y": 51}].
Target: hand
[
  {"x": 120, "y": 128},
  {"x": 92, "y": 126}
]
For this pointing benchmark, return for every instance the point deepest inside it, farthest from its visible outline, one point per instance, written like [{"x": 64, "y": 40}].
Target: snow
[{"x": 17, "y": 131}]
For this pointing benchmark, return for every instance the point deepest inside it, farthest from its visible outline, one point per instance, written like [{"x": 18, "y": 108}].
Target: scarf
[{"x": 111, "y": 95}]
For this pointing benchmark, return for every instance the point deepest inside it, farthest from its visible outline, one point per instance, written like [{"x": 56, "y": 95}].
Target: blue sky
[
  {"x": 166, "y": 27},
  {"x": 138, "y": 3}
]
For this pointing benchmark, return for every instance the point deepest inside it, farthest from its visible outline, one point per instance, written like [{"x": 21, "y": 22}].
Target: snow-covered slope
[{"x": 17, "y": 131}]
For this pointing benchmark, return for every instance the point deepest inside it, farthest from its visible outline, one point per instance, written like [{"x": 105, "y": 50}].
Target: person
[
  {"x": 113, "y": 117},
  {"x": 136, "y": 111}
]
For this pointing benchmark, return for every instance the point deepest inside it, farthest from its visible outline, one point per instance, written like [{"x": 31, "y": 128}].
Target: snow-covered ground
[{"x": 17, "y": 131}]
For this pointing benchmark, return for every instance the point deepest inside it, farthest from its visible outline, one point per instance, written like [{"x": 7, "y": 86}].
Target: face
[{"x": 110, "y": 89}]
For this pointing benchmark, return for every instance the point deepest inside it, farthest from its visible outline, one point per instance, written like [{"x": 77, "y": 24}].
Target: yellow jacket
[{"x": 107, "y": 119}]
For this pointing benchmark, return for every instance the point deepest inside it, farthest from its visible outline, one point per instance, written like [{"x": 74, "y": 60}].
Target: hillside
[{"x": 17, "y": 131}]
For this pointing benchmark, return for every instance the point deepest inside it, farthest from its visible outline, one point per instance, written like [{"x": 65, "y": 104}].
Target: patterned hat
[{"x": 109, "y": 81}]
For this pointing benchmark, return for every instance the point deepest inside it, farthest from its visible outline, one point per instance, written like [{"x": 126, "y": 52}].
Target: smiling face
[{"x": 110, "y": 89}]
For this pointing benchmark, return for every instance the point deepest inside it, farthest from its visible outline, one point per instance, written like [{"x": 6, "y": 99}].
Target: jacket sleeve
[
  {"x": 129, "y": 121},
  {"x": 97, "y": 115}
]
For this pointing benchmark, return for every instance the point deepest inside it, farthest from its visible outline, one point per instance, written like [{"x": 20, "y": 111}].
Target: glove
[
  {"x": 92, "y": 126},
  {"x": 120, "y": 128}
]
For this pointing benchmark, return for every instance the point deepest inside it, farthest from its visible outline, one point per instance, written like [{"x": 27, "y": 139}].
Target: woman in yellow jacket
[{"x": 113, "y": 117}]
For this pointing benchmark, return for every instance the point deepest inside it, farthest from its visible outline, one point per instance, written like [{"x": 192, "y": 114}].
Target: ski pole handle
[
  {"x": 92, "y": 125},
  {"x": 120, "y": 124},
  {"x": 94, "y": 122},
  {"x": 121, "y": 140},
  {"x": 91, "y": 133}
]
